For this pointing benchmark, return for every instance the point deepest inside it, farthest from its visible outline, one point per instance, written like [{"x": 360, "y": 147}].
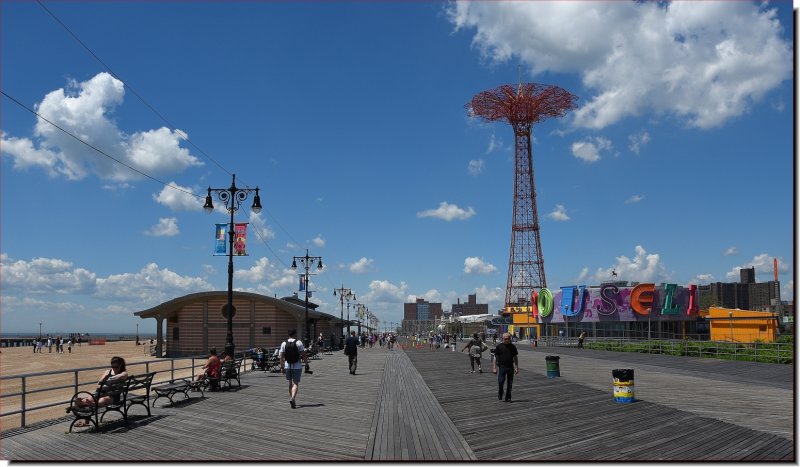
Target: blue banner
[
  {"x": 219, "y": 246},
  {"x": 302, "y": 282}
]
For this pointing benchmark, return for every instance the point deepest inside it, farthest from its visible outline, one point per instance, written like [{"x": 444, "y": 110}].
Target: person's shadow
[{"x": 310, "y": 405}]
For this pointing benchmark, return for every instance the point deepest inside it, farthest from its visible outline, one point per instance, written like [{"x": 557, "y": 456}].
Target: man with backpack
[{"x": 292, "y": 355}]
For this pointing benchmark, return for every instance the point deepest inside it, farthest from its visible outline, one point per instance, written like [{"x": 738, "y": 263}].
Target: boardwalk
[{"x": 422, "y": 405}]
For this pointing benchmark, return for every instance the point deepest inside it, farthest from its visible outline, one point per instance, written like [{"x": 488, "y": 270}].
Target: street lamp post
[
  {"x": 730, "y": 319},
  {"x": 306, "y": 262},
  {"x": 40, "y": 331},
  {"x": 232, "y": 198},
  {"x": 344, "y": 294},
  {"x": 137, "y": 333},
  {"x": 359, "y": 311}
]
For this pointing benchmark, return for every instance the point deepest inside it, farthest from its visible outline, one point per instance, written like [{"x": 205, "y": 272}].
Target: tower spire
[{"x": 521, "y": 110}]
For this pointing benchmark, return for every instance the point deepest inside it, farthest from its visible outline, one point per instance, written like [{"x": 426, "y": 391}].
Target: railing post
[
  {"x": 172, "y": 369},
  {"x": 76, "y": 381},
  {"x": 22, "y": 418}
]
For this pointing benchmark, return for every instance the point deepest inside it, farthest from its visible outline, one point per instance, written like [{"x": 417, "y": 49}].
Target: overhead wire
[
  {"x": 166, "y": 121},
  {"x": 128, "y": 86},
  {"x": 134, "y": 169}
]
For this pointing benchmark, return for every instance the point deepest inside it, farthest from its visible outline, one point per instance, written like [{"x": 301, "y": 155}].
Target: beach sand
[{"x": 22, "y": 361}]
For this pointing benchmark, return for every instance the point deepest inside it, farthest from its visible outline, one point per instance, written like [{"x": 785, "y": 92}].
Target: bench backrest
[{"x": 140, "y": 382}]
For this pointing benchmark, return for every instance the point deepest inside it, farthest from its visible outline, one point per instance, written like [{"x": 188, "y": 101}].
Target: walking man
[
  {"x": 351, "y": 350},
  {"x": 505, "y": 358},
  {"x": 291, "y": 353},
  {"x": 580, "y": 339}
]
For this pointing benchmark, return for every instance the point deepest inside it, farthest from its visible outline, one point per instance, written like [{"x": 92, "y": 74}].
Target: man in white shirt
[{"x": 292, "y": 355}]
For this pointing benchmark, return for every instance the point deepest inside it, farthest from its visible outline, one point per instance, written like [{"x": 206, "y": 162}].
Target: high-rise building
[
  {"x": 471, "y": 307},
  {"x": 420, "y": 315},
  {"x": 744, "y": 295},
  {"x": 747, "y": 275}
]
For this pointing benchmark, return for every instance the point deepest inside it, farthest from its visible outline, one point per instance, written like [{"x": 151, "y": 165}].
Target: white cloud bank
[
  {"x": 83, "y": 109},
  {"x": 701, "y": 62}
]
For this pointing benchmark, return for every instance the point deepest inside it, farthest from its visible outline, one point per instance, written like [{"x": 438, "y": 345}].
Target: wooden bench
[
  {"x": 134, "y": 390},
  {"x": 170, "y": 389},
  {"x": 230, "y": 372}
]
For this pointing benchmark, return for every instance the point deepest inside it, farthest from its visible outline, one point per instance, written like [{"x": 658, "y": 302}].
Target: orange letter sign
[{"x": 642, "y": 298}]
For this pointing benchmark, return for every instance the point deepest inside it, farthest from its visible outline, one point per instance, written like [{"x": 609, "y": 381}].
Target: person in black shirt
[
  {"x": 351, "y": 350},
  {"x": 505, "y": 358}
]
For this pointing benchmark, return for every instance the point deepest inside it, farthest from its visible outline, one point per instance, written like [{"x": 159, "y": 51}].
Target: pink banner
[{"x": 240, "y": 239}]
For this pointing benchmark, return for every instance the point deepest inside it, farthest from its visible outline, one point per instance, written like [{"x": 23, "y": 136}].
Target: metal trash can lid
[{"x": 553, "y": 357}]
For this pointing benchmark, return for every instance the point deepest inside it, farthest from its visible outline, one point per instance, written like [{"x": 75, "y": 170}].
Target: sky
[{"x": 677, "y": 166}]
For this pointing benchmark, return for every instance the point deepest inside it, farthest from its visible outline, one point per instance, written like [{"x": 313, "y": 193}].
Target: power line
[
  {"x": 97, "y": 149},
  {"x": 159, "y": 115},
  {"x": 170, "y": 125}
]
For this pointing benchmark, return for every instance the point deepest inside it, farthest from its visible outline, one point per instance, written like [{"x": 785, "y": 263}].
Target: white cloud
[
  {"x": 589, "y": 150},
  {"x": 494, "y": 296},
  {"x": 149, "y": 285},
  {"x": 495, "y": 144},
  {"x": 179, "y": 199},
  {"x": 475, "y": 166},
  {"x": 702, "y": 62},
  {"x": 702, "y": 279},
  {"x": 46, "y": 275},
  {"x": 731, "y": 251},
  {"x": 256, "y": 273},
  {"x": 318, "y": 241},
  {"x": 166, "y": 227},
  {"x": 763, "y": 264},
  {"x": 361, "y": 266},
  {"x": 642, "y": 268},
  {"x": 586, "y": 151},
  {"x": 634, "y": 199},
  {"x": 787, "y": 290},
  {"x": 448, "y": 212},
  {"x": 385, "y": 291},
  {"x": 638, "y": 140},
  {"x": 584, "y": 274},
  {"x": 83, "y": 110},
  {"x": 261, "y": 228},
  {"x": 559, "y": 213},
  {"x": 474, "y": 265}
]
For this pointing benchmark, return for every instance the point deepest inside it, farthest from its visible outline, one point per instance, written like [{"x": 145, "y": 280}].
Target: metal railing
[
  {"x": 764, "y": 352},
  {"x": 57, "y": 383}
]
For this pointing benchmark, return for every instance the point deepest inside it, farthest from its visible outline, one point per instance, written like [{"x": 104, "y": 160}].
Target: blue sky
[{"x": 677, "y": 166}]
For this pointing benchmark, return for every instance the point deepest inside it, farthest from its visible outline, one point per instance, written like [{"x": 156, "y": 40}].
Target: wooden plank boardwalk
[
  {"x": 409, "y": 424},
  {"x": 574, "y": 417},
  {"x": 422, "y": 405}
]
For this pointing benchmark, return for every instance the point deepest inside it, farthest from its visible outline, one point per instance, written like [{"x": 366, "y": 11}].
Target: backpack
[{"x": 291, "y": 353}]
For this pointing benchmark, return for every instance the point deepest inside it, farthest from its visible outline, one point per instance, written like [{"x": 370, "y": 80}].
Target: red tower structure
[{"x": 522, "y": 107}]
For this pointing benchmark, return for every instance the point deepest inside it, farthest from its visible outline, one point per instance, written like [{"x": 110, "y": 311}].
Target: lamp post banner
[
  {"x": 240, "y": 239},
  {"x": 302, "y": 282},
  {"x": 220, "y": 248}
]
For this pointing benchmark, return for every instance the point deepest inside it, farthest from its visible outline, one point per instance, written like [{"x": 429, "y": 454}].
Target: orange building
[{"x": 734, "y": 325}]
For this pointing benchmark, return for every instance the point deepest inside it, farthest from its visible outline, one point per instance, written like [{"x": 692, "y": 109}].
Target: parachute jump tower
[{"x": 522, "y": 107}]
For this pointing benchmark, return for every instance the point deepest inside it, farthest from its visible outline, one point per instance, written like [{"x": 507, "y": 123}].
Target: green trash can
[{"x": 553, "y": 370}]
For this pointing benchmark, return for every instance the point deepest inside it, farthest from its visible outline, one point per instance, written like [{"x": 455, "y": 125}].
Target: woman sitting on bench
[
  {"x": 115, "y": 373},
  {"x": 211, "y": 367}
]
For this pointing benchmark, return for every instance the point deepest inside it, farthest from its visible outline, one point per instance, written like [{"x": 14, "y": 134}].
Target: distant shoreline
[{"x": 107, "y": 336}]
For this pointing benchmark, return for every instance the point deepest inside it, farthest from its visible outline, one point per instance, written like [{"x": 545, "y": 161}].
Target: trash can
[
  {"x": 623, "y": 385},
  {"x": 552, "y": 366}
]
